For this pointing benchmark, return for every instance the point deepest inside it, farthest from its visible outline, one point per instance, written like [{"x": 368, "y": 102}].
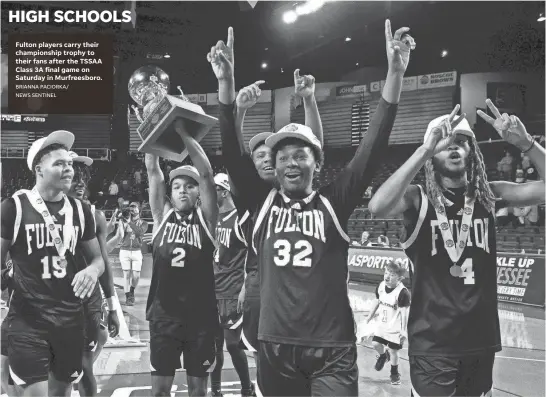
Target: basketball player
[
  {"x": 306, "y": 327},
  {"x": 6, "y": 379},
  {"x": 43, "y": 229},
  {"x": 96, "y": 333},
  {"x": 393, "y": 300},
  {"x": 130, "y": 254},
  {"x": 237, "y": 161},
  {"x": 181, "y": 304},
  {"x": 229, "y": 272},
  {"x": 453, "y": 325}
]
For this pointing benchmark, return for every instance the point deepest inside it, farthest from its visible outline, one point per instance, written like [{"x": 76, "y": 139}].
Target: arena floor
[{"x": 519, "y": 368}]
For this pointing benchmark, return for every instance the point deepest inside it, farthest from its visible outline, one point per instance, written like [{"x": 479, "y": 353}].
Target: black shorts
[
  {"x": 35, "y": 350},
  {"x": 227, "y": 311},
  {"x": 93, "y": 328},
  {"x": 452, "y": 376},
  {"x": 4, "y": 337},
  {"x": 169, "y": 340},
  {"x": 289, "y": 370},
  {"x": 391, "y": 345},
  {"x": 251, "y": 318}
]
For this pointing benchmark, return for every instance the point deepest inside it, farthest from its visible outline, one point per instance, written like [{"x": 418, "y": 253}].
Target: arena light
[
  {"x": 347, "y": 39},
  {"x": 264, "y": 65},
  {"x": 290, "y": 16},
  {"x": 166, "y": 56},
  {"x": 444, "y": 53},
  {"x": 310, "y": 7},
  {"x": 541, "y": 18}
]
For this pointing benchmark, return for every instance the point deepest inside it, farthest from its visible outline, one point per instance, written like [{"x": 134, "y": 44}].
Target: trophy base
[{"x": 159, "y": 135}]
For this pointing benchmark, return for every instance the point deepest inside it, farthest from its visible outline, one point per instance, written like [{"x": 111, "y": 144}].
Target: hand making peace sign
[
  {"x": 221, "y": 58},
  {"x": 442, "y": 136},
  {"x": 510, "y": 128}
]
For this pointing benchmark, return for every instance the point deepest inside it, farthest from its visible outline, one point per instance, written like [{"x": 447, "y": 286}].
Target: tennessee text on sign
[{"x": 520, "y": 278}]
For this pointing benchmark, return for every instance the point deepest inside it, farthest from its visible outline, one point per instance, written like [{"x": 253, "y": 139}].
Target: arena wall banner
[{"x": 520, "y": 277}]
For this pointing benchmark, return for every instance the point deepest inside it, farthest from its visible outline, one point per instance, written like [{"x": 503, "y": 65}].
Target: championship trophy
[{"x": 148, "y": 86}]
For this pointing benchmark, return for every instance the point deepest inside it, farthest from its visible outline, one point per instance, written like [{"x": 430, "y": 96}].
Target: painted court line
[{"x": 521, "y": 358}]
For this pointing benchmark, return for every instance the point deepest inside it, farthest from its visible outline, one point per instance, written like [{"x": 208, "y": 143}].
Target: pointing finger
[
  {"x": 493, "y": 108},
  {"x": 388, "y": 30},
  {"x": 296, "y": 74},
  {"x": 230, "y": 37},
  {"x": 259, "y": 82},
  {"x": 488, "y": 119},
  {"x": 398, "y": 34}
]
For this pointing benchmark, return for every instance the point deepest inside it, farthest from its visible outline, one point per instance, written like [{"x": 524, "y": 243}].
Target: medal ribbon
[
  {"x": 39, "y": 205},
  {"x": 455, "y": 250}
]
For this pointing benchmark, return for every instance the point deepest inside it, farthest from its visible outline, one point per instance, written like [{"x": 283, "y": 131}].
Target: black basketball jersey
[
  {"x": 182, "y": 287},
  {"x": 252, "y": 281},
  {"x": 94, "y": 302},
  {"x": 452, "y": 316},
  {"x": 229, "y": 258},
  {"x": 302, "y": 258},
  {"x": 42, "y": 287}
]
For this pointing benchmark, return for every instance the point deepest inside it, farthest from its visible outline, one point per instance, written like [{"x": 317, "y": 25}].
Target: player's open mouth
[
  {"x": 79, "y": 191},
  {"x": 454, "y": 156},
  {"x": 268, "y": 169},
  {"x": 292, "y": 176}
]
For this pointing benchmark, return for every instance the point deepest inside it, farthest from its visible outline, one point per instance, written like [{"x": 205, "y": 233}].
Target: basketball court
[{"x": 519, "y": 368}]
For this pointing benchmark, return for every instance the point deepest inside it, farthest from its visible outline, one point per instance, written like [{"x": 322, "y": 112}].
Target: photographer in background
[{"x": 130, "y": 255}]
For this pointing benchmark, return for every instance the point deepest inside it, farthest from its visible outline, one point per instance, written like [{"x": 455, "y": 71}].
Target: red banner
[{"x": 520, "y": 277}]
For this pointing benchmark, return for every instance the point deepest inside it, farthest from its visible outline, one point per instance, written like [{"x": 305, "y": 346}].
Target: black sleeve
[
  {"x": 8, "y": 218},
  {"x": 404, "y": 298},
  {"x": 377, "y": 292},
  {"x": 89, "y": 232},
  {"x": 251, "y": 189},
  {"x": 347, "y": 190}
]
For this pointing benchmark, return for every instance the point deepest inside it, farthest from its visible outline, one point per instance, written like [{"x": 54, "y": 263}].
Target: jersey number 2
[
  {"x": 302, "y": 258},
  {"x": 178, "y": 260},
  {"x": 58, "y": 271},
  {"x": 468, "y": 273}
]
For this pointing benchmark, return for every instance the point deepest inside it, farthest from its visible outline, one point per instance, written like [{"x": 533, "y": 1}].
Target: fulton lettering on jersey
[
  {"x": 478, "y": 235},
  {"x": 223, "y": 236},
  {"x": 309, "y": 222},
  {"x": 39, "y": 237},
  {"x": 181, "y": 234}
]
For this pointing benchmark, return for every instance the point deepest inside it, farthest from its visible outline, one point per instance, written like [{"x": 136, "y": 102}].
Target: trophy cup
[{"x": 148, "y": 86}]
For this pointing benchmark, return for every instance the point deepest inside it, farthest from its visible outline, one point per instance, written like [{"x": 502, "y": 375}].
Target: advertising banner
[
  {"x": 436, "y": 80},
  {"x": 520, "y": 277},
  {"x": 351, "y": 90}
]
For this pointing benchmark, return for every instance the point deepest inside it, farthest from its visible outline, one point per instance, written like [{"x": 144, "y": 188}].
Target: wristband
[
  {"x": 113, "y": 303},
  {"x": 531, "y": 146}
]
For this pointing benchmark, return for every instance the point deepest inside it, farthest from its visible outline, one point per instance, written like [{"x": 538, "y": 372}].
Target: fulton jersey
[
  {"x": 229, "y": 257},
  {"x": 452, "y": 316},
  {"x": 302, "y": 253},
  {"x": 389, "y": 320},
  {"x": 94, "y": 302},
  {"x": 182, "y": 287},
  {"x": 42, "y": 287}
]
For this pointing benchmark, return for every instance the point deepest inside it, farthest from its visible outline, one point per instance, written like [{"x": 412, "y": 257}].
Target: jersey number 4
[
  {"x": 58, "y": 271},
  {"x": 300, "y": 253},
  {"x": 468, "y": 273},
  {"x": 180, "y": 257}
]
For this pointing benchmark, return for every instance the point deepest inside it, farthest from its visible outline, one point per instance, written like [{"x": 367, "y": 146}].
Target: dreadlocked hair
[{"x": 477, "y": 186}]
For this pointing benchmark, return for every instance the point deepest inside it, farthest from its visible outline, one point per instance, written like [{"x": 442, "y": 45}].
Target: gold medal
[
  {"x": 63, "y": 262},
  {"x": 456, "y": 271}
]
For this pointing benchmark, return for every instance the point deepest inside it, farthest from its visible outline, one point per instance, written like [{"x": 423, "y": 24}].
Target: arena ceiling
[{"x": 479, "y": 36}]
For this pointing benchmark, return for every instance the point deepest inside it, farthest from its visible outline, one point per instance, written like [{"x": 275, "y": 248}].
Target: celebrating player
[
  {"x": 393, "y": 300},
  {"x": 229, "y": 272},
  {"x": 43, "y": 230},
  {"x": 237, "y": 159},
  {"x": 306, "y": 328},
  {"x": 96, "y": 333},
  {"x": 453, "y": 325},
  {"x": 181, "y": 305}
]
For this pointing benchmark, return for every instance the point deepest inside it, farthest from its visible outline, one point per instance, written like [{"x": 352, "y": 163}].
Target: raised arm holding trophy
[{"x": 149, "y": 86}]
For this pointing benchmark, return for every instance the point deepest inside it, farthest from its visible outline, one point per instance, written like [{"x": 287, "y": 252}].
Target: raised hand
[
  {"x": 221, "y": 58},
  {"x": 442, "y": 136},
  {"x": 248, "y": 96},
  {"x": 304, "y": 85},
  {"x": 510, "y": 128},
  {"x": 398, "y": 48}
]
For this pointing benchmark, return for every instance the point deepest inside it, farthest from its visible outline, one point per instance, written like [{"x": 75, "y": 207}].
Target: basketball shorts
[
  {"x": 289, "y": 370},
  {"x": 227, "y": 312},
  {"x": 4, "y": 337},
  {"x": 169, "y": 340},
  {"x": 93, "y": 328},
  {"x": 251, "y": 317},
  {"x": 389, "y": 344},
  {"x": 35, "y": 350},
  {"x": 452, "y": 376},
  {"x": 130, "y": 260}
]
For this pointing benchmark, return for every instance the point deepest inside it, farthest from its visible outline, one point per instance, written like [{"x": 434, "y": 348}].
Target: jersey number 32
[{"x": 298, "y": 253}]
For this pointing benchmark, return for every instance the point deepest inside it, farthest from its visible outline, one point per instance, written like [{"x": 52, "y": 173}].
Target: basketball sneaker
[{"x": 381, "y": 360}]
